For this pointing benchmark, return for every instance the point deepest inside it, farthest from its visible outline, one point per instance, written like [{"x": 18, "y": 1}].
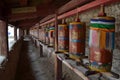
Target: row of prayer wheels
[
  {"x": 71, "y": 39},
  {"x": 41, "y": 35},
  {"x": 34, "y": 33},
  {"x": 46, "y": 35}
]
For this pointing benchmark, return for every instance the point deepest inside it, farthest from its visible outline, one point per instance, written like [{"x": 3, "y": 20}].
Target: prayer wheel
[
  {"x": 46, "y": 36},
  {"x": 51, "y": 36},
  {"x": 40, "y": 34},
  {"x": 101, "y": 43},
  {"x": 77, "y": 39},
  {"x": 63, "y": 38},
  {"x": 43, "y": 34}
]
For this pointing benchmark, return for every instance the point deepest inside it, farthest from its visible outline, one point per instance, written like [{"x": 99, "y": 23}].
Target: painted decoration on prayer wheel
[
  {"x": 63, "y": 38},
  {"x": 77, "y": 39},
  {"x": 51, "y": 36},
  {"x": 101, "y": 43}
]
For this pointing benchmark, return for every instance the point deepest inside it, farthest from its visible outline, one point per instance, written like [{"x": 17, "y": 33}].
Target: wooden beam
[
  {"x": 51, "y": 20},
  {"x": 23, "y": 2},
  {"x": 46, "y": 18},
  {"x": 17, "y": 17},
  {"x": 42, "y": 11},
  {"x": 24, "y": 27},
  {"x": 83, "y": 8},
  {"x": 71, "y": 5},
  {"x": 28, "y": 23},
  {"x": 90, "y": 5},
  {"x": 23, "y": 10}
]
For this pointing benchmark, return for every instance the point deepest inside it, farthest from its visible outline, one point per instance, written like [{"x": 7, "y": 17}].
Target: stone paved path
[{"x": 33, "y": 67}]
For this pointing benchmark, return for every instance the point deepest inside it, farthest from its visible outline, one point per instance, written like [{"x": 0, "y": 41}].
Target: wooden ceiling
[{"x": 26, "y": 13}]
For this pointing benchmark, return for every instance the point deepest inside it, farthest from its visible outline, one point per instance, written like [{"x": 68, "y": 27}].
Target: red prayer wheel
[
  {"x": 46, "y": 36},
  {"x": 77, "y": 39},
  {"x": 43, "y": 35},
  {"x": 51, "y": 36},
  {"x": 101, "y": 43},
  {"x": 63, "y": 38},
  {"x": 40, "y": 38}
]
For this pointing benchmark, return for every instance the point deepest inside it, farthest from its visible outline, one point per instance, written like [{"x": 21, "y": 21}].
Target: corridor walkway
[{"x": 31, "y": 66}]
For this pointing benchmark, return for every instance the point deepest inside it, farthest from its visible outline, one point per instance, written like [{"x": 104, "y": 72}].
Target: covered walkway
[
  {"x": 31, "y": 66},
  {"x": 59, "y": 39}
]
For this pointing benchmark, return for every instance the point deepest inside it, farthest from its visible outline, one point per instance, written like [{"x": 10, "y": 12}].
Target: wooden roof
[{"x": 26, "y": 13}]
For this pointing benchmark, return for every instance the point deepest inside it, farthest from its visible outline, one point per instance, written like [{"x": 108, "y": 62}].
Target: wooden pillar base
[
  {"x": 58, "y": 68},
  {"x": 41, "y": 51}
]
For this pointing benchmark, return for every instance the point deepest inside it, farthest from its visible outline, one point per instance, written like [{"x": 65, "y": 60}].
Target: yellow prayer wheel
[
  {"x": 77, "y": 40},
  {"x": 63, "y": 38},
  {"x": 101, "y": 43}
]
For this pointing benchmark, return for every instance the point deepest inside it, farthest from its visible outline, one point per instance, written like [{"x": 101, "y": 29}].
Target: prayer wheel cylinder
[
  {"x": 101, "y": 43},
  {"x": 51, "y": 36},
  {"x": 77, "y": 39},
  {"x": 63, "y": 38},
  {"x": 40, "y": 35},
  {"x": 43, "y": 32},
  {"x": 46, "y": 36}
]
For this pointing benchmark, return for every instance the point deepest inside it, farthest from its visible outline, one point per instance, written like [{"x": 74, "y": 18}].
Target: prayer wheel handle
[
  {"x": 102, "y": 12},
  {"x": 63, "y": 21},
  {"x": 77, "y": 19}
]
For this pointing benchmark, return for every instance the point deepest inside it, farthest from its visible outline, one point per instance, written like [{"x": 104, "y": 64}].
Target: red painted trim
[
  {"x": 83, "y": 8},
  {"x": 87, "y": 6},
  {"x": 95, "y": 4},
  {"x": 72, "y": 12}
]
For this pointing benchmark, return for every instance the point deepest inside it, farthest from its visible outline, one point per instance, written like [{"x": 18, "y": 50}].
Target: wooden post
[
  {"x": 38, "y": 33},
  {"x": 3, "y": 38},
  {"x": 56, "y": 31},
  {"x": 20, "y": 33},
  {"x": 27, "y": 32},
  {"x": 24, "y": 31},
  {"x": 7, "y": 37},
  {"x": 15, "y": 33},
  {"x": 58, "y": 68}
]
